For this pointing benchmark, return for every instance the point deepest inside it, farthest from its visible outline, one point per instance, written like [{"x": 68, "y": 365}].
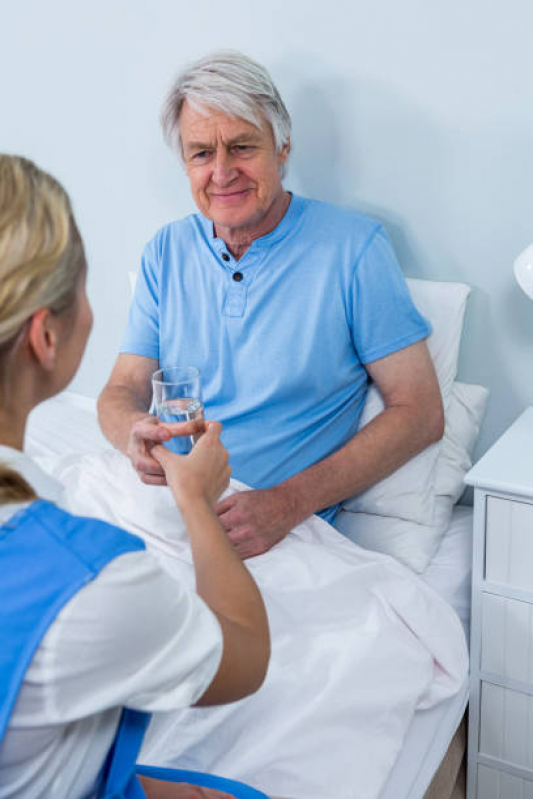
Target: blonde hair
[{"x": 41, "y": 258}]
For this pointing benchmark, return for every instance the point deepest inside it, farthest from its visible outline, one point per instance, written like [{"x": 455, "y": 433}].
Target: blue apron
[{"x": 46, "y": 556}]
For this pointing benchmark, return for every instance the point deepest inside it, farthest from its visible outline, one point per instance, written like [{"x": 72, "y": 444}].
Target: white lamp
[{"x": 523, "y": 270}]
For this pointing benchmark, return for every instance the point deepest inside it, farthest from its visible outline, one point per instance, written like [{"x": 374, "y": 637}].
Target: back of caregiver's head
[{"x": 41, "y": 258}]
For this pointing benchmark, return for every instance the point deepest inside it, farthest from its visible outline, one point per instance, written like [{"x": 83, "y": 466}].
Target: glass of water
[{"x": 177, "y": 398}]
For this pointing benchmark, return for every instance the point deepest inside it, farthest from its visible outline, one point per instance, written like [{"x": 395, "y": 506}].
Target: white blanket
[{"x": 359, "y": 643}]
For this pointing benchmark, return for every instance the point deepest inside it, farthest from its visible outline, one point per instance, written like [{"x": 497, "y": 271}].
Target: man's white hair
[{"x": 232, "y": 83}]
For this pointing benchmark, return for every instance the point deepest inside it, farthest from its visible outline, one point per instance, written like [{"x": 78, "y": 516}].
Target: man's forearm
[
  {"x": 385, "y": 444},
  {"x": 118, "y": 408}
]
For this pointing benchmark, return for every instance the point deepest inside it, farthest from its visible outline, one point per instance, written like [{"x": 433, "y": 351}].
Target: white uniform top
[{"x": 132, "y": 636}]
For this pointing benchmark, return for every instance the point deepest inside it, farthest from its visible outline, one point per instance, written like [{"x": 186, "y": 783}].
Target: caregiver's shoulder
[
  {"x": 149, "y": 584},
  {"x": 121, "y": 609}
]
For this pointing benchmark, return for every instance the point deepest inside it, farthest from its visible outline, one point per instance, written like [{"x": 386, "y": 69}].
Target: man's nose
[{"x": 224, "y": 170}]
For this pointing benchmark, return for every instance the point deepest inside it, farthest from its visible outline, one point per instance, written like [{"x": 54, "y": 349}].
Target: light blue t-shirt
[{"x": 281, "y": 336}]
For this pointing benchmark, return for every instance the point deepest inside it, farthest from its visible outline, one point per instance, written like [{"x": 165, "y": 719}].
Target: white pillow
[
  {"x": 409, "y": 492},
  {"x": 415, "y": 544},
  {"x": 444, "y": 304}
]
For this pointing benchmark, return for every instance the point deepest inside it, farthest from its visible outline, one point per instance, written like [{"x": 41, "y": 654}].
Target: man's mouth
[{"x": 229, "y": 195}]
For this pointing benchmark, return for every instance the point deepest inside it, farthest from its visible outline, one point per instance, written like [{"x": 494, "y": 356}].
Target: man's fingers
[
  {"x": 146, "y": 464},
  {"x": 149, "y": 470},
  {"x": 151, "y": 432},
  {"x": 225, "y": 521},
  {"x": 152, "y": 479},
  {"x": 244, "y": 549},
  {"x": 224, "y": 505},
  {"x": 241, "y": 535}
]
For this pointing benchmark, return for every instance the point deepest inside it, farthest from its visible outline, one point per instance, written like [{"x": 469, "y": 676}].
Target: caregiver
[{"x": 90, "y": 623}]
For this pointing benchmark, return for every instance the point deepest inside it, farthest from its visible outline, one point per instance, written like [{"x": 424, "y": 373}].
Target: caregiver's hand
[
  {"x": 146, "y": 433},
  {"x": 256, "y": 520},
  {"x": 202, "y": 474}
]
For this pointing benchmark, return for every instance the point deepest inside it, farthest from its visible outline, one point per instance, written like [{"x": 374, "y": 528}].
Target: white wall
[{"x": 418, "y": 112}]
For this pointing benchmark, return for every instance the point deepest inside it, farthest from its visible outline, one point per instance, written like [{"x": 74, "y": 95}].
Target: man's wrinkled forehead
[{"x": 200, "y": 126}]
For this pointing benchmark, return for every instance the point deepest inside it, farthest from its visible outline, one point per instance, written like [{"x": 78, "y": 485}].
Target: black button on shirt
[
  {"x": 225, "y": 256},
  {"x": 237, "y": 277}
]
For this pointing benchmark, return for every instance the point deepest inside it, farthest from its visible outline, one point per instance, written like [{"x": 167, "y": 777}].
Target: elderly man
[{"x": 288, "y": 306}]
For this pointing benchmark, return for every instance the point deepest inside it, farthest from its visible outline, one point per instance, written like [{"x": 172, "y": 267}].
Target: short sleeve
[
  {"x": 384, "y": 317},
  {"x": 134, "y": 636},
  {"x": 142, "y": 331}
]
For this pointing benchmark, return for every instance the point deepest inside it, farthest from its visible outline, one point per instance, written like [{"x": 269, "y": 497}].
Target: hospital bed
[
  {"x": 428, "y": 764},
  {"x": 67, "y": 426}
]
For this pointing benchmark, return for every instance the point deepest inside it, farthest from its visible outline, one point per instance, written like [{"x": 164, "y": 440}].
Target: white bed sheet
[
  {"x": 432, "y": 730},
  {"x": 73, "y": 421},
  {"x": 450, "y": 571}
]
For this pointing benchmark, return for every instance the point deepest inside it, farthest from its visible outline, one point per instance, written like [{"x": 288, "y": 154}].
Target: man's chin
[{"x": 235, "y": 221}]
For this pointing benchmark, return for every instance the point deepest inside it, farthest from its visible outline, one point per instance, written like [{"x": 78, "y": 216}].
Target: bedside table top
[{"x": 508, "y": 464}]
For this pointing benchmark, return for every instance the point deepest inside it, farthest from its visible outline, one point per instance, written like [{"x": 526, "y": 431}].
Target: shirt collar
[
  {"x": 282, "y": 229},
  {"x": 45, "y": 486}
]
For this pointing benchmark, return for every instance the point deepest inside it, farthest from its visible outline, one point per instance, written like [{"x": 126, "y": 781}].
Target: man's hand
[
  {"x": 256, "y": 520},
  {"x": 145, "y": 434}
]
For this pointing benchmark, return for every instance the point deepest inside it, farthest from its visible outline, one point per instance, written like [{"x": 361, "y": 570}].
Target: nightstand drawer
[
  {"x": 506, "y": 725},
  {"x": 506, "y": 633},
  {"x": 494, "y": 784},
  {"x": 509, "y": 543}
]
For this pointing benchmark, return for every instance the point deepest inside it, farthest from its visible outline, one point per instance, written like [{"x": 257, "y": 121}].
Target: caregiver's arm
[
  {"x": 222, "y": 580},
  {"x": 413, "y": 419},
  {"x": 123, "y": 413}
]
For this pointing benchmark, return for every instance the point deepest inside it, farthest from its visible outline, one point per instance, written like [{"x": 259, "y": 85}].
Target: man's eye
[
  {"x": 201, "y": 155},
  {"x": 243, "y": 149}
]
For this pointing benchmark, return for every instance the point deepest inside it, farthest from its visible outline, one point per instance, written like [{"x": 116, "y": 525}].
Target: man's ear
[
  {"x": 284, "y": 152},
  {"x": 42, "y": 338}
]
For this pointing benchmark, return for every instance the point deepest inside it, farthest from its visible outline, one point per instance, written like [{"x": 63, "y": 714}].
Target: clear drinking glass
[{"x": 178, "y": 398}]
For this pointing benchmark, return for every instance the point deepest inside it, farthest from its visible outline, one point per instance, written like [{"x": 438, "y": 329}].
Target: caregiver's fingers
[
  {"x": 203, "y": 473},
  {"x": 194, "y": 427},
  {"x": 149, "y": 432}
]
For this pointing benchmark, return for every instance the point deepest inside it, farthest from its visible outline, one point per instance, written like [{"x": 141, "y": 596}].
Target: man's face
[{"x": 233, "y": 167}]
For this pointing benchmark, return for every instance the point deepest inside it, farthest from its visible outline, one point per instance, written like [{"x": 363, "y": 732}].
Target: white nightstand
[{"x": 500, "y": 745}]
